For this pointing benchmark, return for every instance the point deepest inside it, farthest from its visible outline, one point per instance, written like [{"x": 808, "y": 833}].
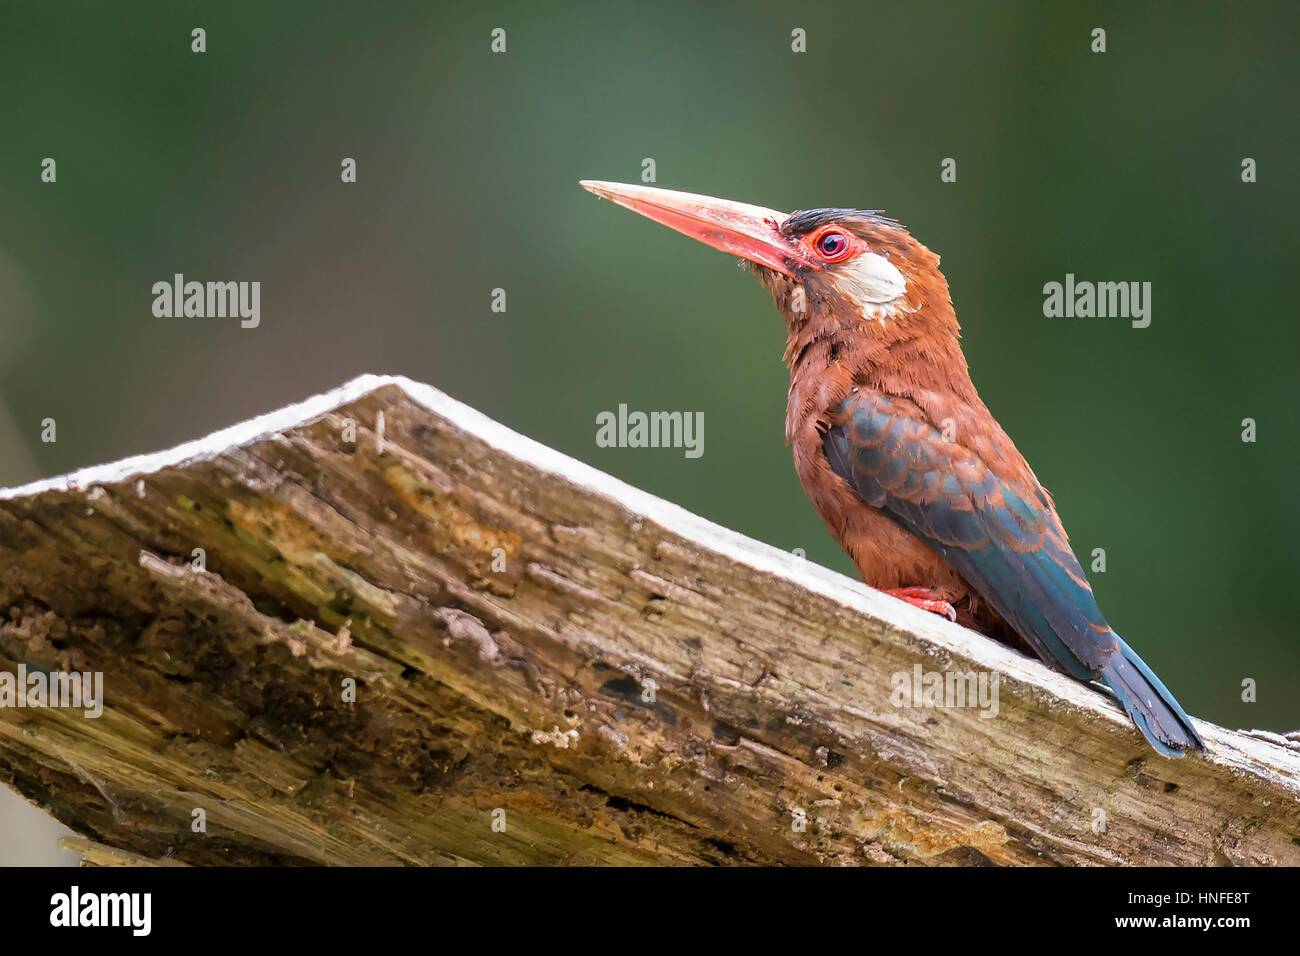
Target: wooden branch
[
  {"x": 538, "y": 645},
  {"x": 97, "y": 854}
]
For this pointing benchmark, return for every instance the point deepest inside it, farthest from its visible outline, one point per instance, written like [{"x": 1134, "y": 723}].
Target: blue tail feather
[{"x": 1149, "y": 703}]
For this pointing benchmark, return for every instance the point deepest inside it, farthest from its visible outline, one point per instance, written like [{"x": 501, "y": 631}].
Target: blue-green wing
[{"x": 999, "y": 533}]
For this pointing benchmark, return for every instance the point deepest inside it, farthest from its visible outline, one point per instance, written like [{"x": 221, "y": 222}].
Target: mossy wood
[{"x": 549, "y": 667}]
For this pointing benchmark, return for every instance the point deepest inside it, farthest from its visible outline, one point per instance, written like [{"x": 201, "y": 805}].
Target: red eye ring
[{"x": 833, "y": 245}]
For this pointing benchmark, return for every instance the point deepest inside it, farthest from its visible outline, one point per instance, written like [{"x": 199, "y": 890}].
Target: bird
[{"x": 901, "y": 459}]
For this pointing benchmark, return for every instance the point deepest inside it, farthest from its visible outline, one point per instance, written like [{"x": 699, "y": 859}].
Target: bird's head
[{"x": 848, "y": 271}]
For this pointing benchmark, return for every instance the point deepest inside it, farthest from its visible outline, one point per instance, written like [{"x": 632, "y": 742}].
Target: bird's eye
[{"x": 833, "y": 246}]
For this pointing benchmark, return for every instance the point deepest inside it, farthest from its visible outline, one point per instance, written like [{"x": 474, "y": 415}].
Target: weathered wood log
[
  {"x": 550, "y": 666},
  {"x": 97, "y": 854}
]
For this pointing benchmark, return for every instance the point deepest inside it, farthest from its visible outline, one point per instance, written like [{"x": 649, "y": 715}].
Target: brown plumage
[
  {"x": 831, "y": 350},
  {"x": 901, "y": 459}
]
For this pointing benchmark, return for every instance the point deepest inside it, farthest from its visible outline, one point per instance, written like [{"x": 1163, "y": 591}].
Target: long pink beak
[{"x": 751, "y": 232}]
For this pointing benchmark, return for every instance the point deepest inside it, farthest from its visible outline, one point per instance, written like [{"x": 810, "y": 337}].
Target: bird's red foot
[{"x": 926, "y": 600}]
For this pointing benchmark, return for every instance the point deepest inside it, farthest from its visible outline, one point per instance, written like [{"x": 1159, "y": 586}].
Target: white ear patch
[{"x": 873, "y": 282}]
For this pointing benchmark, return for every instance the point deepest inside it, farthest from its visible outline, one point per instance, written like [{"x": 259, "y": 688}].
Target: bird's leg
[{"x": 926, "y": 599}]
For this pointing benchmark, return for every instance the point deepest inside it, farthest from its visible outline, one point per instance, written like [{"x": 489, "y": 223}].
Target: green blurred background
[{"x": 1117, "y": 166}]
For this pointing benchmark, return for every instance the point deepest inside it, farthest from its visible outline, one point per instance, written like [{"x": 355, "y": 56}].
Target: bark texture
[{"x": 549, "y": 667}]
